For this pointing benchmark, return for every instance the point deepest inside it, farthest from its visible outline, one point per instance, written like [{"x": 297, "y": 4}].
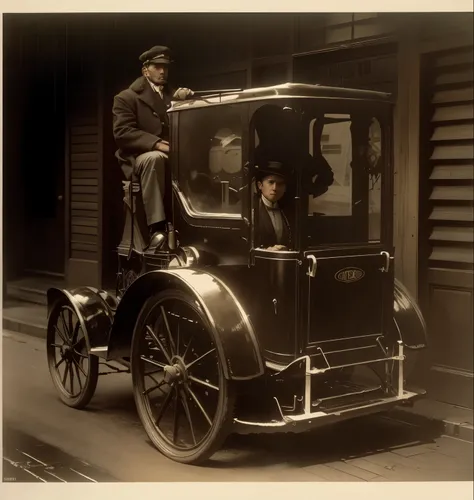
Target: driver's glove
[{"x": 182, "y": 94}]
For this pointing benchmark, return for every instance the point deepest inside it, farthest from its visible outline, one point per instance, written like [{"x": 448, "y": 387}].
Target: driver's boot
[
  {"x": 157, "y": 227},
  {"x": 158, "y": 237}
]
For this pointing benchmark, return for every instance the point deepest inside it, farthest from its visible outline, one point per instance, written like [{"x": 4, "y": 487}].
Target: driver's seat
[
  {"x": 135, "y": 236},
  {"x": 135, "y": 231}
]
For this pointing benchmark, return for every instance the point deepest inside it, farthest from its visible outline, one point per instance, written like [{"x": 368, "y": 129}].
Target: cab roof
[{"x": 286, "y": 90}]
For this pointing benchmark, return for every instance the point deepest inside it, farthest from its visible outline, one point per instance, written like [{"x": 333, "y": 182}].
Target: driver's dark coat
[{"x": 139, "y": 121}]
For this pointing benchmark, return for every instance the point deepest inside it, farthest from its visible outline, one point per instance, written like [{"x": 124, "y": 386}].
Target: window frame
[
  {"x": 384, "y": 117},
  {"x": 218, "y": 220},
  {"x": 383, "y": 111}
]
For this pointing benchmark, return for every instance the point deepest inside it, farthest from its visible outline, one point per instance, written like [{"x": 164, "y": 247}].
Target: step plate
[{"x": 308, "y": 421}]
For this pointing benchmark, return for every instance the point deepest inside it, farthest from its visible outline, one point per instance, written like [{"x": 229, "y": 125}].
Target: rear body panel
[
  {"x": 345, "y": 297},
  {"x": 347, "y": 306}
]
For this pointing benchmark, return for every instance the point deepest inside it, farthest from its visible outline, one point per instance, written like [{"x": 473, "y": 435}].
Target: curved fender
[
  {"x": 93, "y": 307},
  {"x": 233, "y": 333},
  {"x": 408, "y": 320}
]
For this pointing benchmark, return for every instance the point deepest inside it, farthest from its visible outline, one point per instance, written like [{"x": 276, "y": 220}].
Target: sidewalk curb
[
  {"x": 16, "y": 325},
  {"x": 457, "y": 430},
  {"x": 407, "y": 415}
]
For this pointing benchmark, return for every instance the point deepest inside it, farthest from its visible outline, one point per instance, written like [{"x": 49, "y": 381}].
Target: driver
[
  {"x": 273, "y": 232},
  {"x": 141, "y": 130}
]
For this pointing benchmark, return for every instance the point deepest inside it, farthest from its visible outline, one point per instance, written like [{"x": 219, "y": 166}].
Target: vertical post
[
  {"x": 67, "y": 156},
  {"x": 249, "y": 52},
  {"x": 400, "y": 368},
  {"x": 388, "y": 382},
  {"x": 225, "y": 195},
  {"x": 101, "y": 244},
  {"x": 307, "y": 386},
  {"x": 406, "y": 156}
]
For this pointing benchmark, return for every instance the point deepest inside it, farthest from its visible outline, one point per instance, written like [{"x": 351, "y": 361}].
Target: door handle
[
  {"x": 313, "y": 265},
  {"x": 386, "y": 267}
]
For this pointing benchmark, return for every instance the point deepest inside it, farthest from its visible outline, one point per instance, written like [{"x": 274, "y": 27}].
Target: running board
[{"x": 307, "y": 421}]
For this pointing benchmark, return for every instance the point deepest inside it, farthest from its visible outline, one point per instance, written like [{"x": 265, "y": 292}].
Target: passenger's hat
[
  {"x": 270, "y": 168},
  {"x": 156, "y": 55}
]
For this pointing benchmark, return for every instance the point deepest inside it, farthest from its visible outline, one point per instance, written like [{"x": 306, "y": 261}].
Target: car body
[{"x": 301, "y": 337}]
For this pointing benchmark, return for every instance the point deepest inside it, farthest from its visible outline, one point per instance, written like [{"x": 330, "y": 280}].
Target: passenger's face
[
  {"x": 273, "y": 187},
  {"x": 157, "y": 73}
]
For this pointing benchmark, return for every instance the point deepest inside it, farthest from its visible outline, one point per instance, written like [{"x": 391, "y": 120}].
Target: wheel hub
[
  {"x": 175, "y": 372},
  {"x": 172, "y": 373},
  {"x": 68, "y": 353}
]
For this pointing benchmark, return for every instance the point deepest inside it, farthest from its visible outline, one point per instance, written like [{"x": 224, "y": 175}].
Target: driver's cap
[{"x": 159, "y": 54}]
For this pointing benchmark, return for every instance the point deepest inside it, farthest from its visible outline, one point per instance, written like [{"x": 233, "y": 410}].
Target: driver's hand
[
  {"x": 183, "y": 93},
  {"x": 277, "y": 248},
  {"x": 163, "y": 146}
]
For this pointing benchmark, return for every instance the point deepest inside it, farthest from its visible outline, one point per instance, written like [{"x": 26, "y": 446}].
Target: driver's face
[
  {"x": 157, "y": 73},
  {"x": 273, "y": 187}
]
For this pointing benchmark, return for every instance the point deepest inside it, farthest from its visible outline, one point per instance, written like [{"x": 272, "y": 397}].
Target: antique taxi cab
[{"x": 223, "y": 332}]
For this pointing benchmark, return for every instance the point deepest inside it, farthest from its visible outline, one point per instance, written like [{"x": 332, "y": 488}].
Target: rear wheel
[
  {"x": 73, "y": 370},
  {"x": 183, "y": 399}
]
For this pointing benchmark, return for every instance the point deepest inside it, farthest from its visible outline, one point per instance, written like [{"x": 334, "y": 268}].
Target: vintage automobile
[{"x": 223, "y": 335}]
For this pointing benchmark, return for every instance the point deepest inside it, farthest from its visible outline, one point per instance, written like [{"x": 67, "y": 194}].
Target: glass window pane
[
  {"x": 350, "y": 210},
  {"x": 374, "y": 152},
  {"x": 210, "y": 159},
  {"x": 336, "y": 148}
]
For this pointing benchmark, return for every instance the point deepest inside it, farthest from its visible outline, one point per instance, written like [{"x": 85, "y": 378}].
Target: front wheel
[{"x": 183, "y": 399}]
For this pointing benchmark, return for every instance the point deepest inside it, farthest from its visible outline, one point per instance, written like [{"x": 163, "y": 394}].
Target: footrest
[{"x": 347, "y": 401}]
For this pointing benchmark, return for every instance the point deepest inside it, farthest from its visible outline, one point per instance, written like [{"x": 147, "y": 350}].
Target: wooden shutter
[
  {"x": 84, "y": 188},
  {"x": 451, "y": 161},
  {"x": 446, "y": 224},
  {"x": 85, "y": 157}
]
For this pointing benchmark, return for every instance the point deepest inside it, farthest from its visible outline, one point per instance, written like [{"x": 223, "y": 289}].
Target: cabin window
[
  {"x": 374, "y": 158},
  {"x": 349, "y": 211},
  {"x": 210, "y": 160},
  {"x": 335, "y": 145}
]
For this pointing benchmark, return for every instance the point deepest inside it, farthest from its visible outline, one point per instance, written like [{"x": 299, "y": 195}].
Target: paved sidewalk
[
  {"x": 368, "y": 450},
  {"x": 456, "y": 421},
  {"x": 25, "y": 317}
]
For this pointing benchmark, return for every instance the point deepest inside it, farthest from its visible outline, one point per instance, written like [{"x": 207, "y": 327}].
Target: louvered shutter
[
  {"x": 85, "y": 137},
  {"x": 84, "y": 187},
  {"x": 446, "y": 229},
  {"x": 452, "y": 173}
]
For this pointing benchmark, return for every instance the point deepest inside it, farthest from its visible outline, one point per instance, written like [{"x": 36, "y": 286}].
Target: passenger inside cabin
[
  {"x": 281, "y": 133},
  {"x": 273, "y": 230}
]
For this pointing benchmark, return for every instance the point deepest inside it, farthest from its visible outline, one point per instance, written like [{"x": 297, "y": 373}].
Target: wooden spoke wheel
[
  {"x": 183, "y": 399},
  {"x": 73, "y": 370}
]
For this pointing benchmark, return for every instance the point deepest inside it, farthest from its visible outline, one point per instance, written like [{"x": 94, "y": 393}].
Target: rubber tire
[
  {"x": 224, "y": 415},
  {"x": 90, "y": 386}
]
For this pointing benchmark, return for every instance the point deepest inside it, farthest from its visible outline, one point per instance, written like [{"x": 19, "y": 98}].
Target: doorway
[{"x": 43, "y": 146}]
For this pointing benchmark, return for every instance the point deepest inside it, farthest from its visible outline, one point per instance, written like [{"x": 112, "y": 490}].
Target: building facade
[{"x": 63, "y": 201}]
